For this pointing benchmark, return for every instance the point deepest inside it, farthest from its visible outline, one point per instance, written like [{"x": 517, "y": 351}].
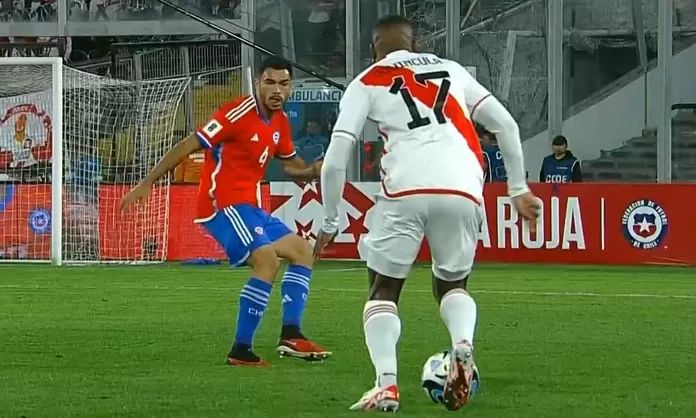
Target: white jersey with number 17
[{"x": 422, "y": 105}]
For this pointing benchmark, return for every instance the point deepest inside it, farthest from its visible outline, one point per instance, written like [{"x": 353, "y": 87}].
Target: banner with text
[{"x": 580, "y": 223}]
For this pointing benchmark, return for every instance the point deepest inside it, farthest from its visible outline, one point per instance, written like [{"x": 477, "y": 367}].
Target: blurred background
[{"x": 615, "y": 78}]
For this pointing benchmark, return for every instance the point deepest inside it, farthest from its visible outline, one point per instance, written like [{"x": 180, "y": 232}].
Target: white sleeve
[
  {"x": 485, "y": 109},
  {"x": 498, "y": 121},
  {"x": 353, "y": 112},
  {"x": 474, "y": 93}
]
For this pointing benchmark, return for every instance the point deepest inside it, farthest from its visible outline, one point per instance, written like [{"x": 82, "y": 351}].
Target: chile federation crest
[{"x": 644, "y": 224}]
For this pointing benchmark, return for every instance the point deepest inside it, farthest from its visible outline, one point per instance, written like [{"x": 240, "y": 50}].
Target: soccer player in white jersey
[{"x": 432, "y": 186}]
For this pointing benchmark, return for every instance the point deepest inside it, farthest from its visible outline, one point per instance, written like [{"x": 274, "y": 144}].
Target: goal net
[
  {"x": 71, "y": 145},
  {"x": 217, "y": 77}
]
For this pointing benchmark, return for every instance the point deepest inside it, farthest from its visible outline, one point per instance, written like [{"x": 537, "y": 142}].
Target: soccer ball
[{"x": 435, "y": 375}]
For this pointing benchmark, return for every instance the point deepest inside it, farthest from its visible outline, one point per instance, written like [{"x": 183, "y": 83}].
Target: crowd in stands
[
  {"x": 319, "y": 11},
  {"x": 100, "y": 10},
  {"x": 318, "y": 25}
]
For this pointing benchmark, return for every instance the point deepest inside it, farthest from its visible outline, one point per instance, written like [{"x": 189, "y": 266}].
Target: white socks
[
  {"x": 458, "y": 311},
  {"x": 383, "y": 329},
  {"x": 382, "y": 332}
]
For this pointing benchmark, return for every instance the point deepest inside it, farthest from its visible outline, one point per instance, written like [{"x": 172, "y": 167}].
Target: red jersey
[{"x": 239, "y": 142}]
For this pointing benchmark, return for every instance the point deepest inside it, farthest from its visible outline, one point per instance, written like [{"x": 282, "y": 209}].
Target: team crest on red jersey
[{"x": 276, "y": 137}]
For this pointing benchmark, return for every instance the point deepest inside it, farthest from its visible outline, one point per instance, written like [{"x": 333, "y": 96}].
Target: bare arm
[
  {"x": 299, "y": 170},
  {"x": 171, "y": 159}
]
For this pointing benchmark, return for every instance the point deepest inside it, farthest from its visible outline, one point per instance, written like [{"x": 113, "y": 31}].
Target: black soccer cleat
[{"x": 242, "y": 355}]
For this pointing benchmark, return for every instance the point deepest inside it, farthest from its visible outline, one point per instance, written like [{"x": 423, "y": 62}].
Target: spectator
[
  {"x": 494, "y": 170},
  {"x": 561, "y": 166},
  {"x": 313, "y": 143},
  {"x": 101, "y": 10}
]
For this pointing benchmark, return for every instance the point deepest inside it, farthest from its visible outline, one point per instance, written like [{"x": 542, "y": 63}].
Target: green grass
[{"x": 151, "y": 342}]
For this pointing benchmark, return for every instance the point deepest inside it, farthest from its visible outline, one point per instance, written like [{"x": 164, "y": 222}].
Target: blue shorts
[{"x": 242, "y": 229}]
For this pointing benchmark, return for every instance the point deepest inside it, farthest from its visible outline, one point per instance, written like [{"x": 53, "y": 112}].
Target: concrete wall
[{"x": 618, "y": 117}]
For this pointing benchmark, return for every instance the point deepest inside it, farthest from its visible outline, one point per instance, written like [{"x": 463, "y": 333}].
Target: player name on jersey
[{"x": 419, "y": 60}]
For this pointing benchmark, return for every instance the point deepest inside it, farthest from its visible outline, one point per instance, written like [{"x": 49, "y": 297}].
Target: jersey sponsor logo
[
  {"x": 644, "y": 224},
  {"x": 258, "y": 230},
  {"x": 276, "y": 137},
  {"x": 40, "y": 221},
  {"x": 212, "y": 128}
]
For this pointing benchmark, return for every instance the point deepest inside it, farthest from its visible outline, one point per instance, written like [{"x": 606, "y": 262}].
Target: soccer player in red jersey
[{"x": 239, "y": 141}]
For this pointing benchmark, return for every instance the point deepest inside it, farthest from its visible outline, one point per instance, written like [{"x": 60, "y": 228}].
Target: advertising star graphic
[
  {"x": 278, "y": 200},
  {"x": 356, "y": 227},
  {"x": 356, "y": 198},
  {"x": 305, "y": 231},
  {"x": 310, "y": 192}
]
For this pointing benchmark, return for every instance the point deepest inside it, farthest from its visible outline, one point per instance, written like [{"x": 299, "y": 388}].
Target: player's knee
[
  {"x": 385, "y": 288},
  {"x": 264, "y": 263},
  {"x": 295, "y": 250},
  {"x": 442, "y": 287}
]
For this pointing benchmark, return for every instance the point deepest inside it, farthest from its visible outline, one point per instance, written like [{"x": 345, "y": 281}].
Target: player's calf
[
  {"x": 457, "y": 307},
  {"x": 253, "y": 300},
  {"x": 382, "y": 327},
  {"x": 295, "y": 292}
]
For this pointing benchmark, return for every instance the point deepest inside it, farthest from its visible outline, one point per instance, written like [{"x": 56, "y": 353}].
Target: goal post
[{"x": 71, "y": 144}]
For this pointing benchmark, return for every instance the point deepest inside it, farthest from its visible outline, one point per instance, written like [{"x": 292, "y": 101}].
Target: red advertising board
[
  {"x": 595, "y": 224},
  {"x": 25, "y": 225},
  {"x": 580, "y": 223}
]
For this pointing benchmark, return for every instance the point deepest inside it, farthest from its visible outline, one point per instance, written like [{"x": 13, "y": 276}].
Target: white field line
[{"x": 361, "y": 291}]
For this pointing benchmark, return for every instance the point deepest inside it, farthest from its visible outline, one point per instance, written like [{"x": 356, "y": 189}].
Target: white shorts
[{"x": 397, "y": 227}]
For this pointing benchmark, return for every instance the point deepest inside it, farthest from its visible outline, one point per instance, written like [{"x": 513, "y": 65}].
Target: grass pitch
[{"x": 151, "y": 341}]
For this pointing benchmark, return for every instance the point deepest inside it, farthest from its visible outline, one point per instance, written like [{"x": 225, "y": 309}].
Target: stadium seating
[{"x": 636, "y": 160}]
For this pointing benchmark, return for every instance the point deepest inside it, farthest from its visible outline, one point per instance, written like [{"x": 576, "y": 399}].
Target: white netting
[
  {"x": 113, "y": 133},
  {"x": 506, "y": 41},
  {"x": 214, "y": 67}
]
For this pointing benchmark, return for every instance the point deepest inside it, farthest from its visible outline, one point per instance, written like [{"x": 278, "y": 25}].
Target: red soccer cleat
[
  {"x": 302, "y": 348},
  {"x": 237, "y": 362},
  {"x": 460, "y": 376},
  {"x": 379, "y": 399}
]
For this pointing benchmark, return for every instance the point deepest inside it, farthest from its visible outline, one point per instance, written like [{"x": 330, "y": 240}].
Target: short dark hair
[
  {"x": 560, "y": 140},
  {"x": 275, "y": 63},
  {"x": 392, "y": 20}
]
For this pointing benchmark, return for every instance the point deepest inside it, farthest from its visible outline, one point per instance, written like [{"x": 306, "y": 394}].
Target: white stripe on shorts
[{"x": 238, "y": 225}]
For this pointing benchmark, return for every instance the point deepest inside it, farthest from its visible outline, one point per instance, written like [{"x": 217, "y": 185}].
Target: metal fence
[{"x": 214, "y": 66}]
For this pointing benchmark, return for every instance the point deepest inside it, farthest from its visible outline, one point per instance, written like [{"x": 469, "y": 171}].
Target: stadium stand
[{"x": 636, "y": 161}]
